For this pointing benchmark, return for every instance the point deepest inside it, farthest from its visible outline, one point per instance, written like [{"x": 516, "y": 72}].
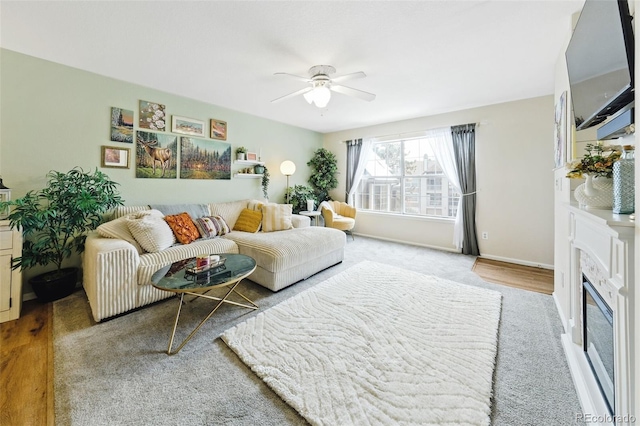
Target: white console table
[{"x": 10, "y": 280}]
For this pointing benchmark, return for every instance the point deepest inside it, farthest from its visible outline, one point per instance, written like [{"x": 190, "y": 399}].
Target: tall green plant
[
  {"x": 324, "y": 168},
  {"x": 55, "y": 220}
]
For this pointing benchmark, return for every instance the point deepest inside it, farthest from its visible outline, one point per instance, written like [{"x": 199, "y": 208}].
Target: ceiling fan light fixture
[
  {"x": 322, "y": 96},
  {"x": 309, "y": 96}
]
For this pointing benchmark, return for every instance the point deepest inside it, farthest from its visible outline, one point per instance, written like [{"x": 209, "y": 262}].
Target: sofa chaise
[{"x": 118, "y": 272}]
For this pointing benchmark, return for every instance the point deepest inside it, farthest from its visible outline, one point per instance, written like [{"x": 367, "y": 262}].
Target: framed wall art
[
  {"x": 156, "y": 155},
  {"x": 204, "y": 159},
  {"x": 218, "y": 129},
  {"x": 121, "y": 125},
  {"x": 561, "y": 150},
  {"x": 152, "y": 116},
  {"x": 113, "y": 156},
  {"x": 187, "y": 126},
  {"x": 252, "y": 156}
]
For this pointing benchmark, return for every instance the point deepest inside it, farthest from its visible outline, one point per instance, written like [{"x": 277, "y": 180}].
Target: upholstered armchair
[{"x": 339, "y": 215}]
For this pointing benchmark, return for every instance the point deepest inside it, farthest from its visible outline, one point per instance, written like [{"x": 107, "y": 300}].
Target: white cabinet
[{"x": 10, "y": 280}]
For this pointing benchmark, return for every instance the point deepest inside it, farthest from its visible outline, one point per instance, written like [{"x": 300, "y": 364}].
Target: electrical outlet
[{"x": 485, "y": 235}]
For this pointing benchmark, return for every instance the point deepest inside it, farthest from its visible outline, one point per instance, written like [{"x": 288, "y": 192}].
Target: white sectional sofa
[{"x": 117, "y": 273}]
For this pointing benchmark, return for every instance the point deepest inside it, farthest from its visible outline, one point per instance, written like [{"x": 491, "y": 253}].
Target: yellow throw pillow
[
  {"x": 276, "y": 217},
  {"x": 248, "y": 221}
]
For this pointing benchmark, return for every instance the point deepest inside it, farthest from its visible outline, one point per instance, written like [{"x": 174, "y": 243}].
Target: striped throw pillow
[
  {"x": 150, "y": 231},
  {"x": 211, "y": 226},
  {"x": 276, "y": 217}
]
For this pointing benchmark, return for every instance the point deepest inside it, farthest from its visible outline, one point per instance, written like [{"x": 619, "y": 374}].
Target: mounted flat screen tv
[{"x": 600, "y": 61}]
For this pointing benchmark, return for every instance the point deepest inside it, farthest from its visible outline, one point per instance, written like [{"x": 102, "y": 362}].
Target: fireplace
[{"x": 598, "y": 344}]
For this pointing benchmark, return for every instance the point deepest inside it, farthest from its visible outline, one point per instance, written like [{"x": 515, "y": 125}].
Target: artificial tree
[
  {"x": 55, "y": 221},
  {"x": 324, "y": 168}
]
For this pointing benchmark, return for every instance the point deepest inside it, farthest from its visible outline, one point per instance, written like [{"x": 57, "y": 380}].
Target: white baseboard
[
  {"x": 516, "y": 261},
  {"x": 411, "y": 243}
]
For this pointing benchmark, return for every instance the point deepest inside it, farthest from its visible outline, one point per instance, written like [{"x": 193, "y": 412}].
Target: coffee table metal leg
[{"x": 220, "y": 302}]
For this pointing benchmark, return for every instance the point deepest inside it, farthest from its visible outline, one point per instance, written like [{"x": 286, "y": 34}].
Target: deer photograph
[{"x": 155, "y": 153}]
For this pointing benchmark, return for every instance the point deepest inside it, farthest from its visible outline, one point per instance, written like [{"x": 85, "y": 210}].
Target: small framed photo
[
  {"x": 218, "y": 129},
  {"x": 187, "y": 126},
  {"x": 252, "y": 156},
  {"x": 113, "y": 156}
]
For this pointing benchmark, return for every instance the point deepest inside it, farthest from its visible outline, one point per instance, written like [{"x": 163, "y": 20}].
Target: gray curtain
[
  {"x": 464, "y": 148},
  {"x": 353, "y": 157}
]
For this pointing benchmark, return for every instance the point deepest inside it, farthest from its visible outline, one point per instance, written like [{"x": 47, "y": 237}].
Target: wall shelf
[
  {"x": 249, "y": 162},
  {"x": 247, "y": 175}
]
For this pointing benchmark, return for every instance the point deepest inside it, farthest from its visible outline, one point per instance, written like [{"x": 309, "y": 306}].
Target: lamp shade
[
  {"x": 322, "y": 96},
  {"x": 287, "y": 168}
]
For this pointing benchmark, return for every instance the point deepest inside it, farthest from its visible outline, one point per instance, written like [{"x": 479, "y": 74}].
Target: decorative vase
[
  {"x": 624, "y": 182},
  {"x": 310, "y": 204},
  {"x": 596, "y": 192}
]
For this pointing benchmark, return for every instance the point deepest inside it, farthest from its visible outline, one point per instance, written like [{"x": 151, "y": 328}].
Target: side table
[{"x": 313, "y": 215}]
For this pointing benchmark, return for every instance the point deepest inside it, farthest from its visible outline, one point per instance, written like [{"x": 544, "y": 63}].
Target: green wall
[{"x": 54, "y": 117}]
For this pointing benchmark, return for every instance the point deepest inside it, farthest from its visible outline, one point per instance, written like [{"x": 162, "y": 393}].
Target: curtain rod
[{"x": 413, "y": 134}]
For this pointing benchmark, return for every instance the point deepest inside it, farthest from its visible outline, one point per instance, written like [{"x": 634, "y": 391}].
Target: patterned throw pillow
[
  {"x": 276, "y": 217},
  {"x": 150, "y": 231},
  {"x": 248, "y": 221},
  {"x": 183, "y": 227},
  {"x": 211, "y": 226}
]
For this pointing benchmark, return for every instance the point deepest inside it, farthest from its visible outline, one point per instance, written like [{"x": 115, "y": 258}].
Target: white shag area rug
[{"x": 376, "y": 345}]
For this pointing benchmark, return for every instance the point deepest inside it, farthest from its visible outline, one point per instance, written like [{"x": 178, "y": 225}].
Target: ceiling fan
[{"x": 321, "y": 85}]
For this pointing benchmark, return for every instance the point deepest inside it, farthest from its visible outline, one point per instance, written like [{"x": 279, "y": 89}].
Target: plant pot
[
  {"x": 241, "y": 156},
  {"x": 54, "y": 285},
  {"x": 258, "y": 169}
]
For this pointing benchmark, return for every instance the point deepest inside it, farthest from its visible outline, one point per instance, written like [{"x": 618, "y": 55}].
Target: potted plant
[
  {"x": 265, "y": 182},
  {"x": 324, "y": 168},
  {"x": 241, "y": 153},
  {"x": 298, "y": 196},
  {"x": 54, "y": 223}
]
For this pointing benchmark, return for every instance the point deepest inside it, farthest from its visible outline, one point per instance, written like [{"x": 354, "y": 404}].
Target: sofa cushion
[
  {"x": 193, "y": 210},
  {"x": 278, "y": 251},
  {"x": 118, "y": 229},
  {"x": 230, "y": 211},
  {"x": 150, "y": 230},
  {"x": 183, "y": 227},
  {"x": 152, "y": 262},
  {"x": 211, "y": 226},
  {"x": 248, "y": 221},
  {"x": 276, "y": 217}
]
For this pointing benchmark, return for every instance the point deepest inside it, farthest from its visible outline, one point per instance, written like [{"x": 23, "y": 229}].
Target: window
[{"x": 403, "y": 177}]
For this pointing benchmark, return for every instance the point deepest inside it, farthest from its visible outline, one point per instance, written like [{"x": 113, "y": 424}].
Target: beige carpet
[{"x": 378, "y": 345}]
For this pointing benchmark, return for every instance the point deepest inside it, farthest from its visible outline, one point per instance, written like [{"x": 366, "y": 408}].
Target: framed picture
[
  {"x": 218, "y": 129},
  {"x": 121, "y": 125},
  {"x": 204, "y": 159},
  {"x": 113, "y": 156},
  {"x": 561, "y": 131},
  {"x": 252, "y": 156},
  {"x": 156, "y": 155},
  {"x": 187, "y": 126},
  {"x": 152, "y": 116}
]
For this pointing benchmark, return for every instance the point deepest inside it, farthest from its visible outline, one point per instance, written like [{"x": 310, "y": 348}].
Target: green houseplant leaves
[{"x": 55, "y": 220}]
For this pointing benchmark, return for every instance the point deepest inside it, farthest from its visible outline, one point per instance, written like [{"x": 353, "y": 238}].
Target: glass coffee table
[{"x": 183, "y": 279}]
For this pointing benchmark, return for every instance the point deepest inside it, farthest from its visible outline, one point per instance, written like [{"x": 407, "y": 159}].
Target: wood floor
[
  {"x": 26, "y": 367},
  {"x": 26, "y": 347},
  {"x": 518, "y": 276}
]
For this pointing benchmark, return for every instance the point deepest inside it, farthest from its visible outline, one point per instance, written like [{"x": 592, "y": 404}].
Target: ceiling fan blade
[
  {"x": 346, "y": 77},
  {"x": 365, "y": 96},
  {"x": 291, "y": 95},
  {"x": 297, "y": 77}
]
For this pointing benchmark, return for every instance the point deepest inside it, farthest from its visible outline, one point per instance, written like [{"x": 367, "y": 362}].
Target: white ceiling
[{"x": 421, "y": 57}]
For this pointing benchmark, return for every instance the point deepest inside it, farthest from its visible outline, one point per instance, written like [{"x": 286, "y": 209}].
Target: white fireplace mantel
[{"x": 601, "y": 245}]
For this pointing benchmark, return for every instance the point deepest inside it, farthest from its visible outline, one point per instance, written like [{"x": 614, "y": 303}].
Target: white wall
[{"x": 514, "y": 158}]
